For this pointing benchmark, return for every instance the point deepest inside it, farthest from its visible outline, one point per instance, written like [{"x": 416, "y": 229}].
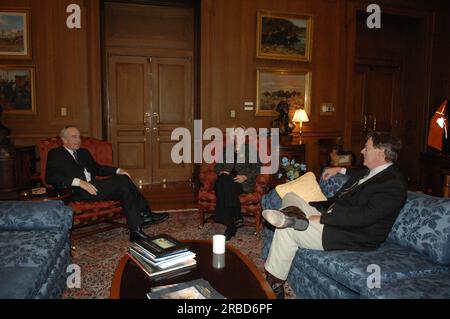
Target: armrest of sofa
[
  {"x": 28, "y": 215},
  {"x": 331, "y": 186}
]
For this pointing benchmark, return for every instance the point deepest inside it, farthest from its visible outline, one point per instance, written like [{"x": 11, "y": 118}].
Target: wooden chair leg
[{"x": 201, "y": 213}]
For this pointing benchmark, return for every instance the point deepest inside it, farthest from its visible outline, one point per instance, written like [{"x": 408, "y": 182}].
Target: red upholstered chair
[
  {"x": 250, "y": 202},
  {"x": 87, "y": 213}
]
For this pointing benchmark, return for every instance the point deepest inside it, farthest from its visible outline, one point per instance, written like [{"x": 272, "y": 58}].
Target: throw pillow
[{"x": 305, "y": 186}]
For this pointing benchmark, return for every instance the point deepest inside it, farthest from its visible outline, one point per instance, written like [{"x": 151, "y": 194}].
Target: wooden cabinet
[
  {"x": 17, "y": 165},
  {"x": 435, "y": 172},
  {"x": 296, "y": 152}
]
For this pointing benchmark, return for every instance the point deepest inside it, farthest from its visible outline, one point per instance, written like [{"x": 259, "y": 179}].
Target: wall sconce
[{"x": 300, "y": 116}]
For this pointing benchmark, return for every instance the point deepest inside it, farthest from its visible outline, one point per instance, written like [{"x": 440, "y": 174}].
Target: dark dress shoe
[
  {"x": 288, "y": 217},
  {"x": 239, "y": 222},
  {"x": 152, "y": 218},
  {"x": 137, "y": 234},
  {"x": 276, "y": 284},
  {"x": 230, "y": 232}
]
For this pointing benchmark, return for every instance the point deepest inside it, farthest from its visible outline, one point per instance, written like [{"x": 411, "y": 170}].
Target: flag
[{"x": 438, "y": 127}]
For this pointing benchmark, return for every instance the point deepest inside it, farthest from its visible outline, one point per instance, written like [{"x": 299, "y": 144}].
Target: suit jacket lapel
[
  {"x": 371, "y": 180},
  {"x": 71, "y": 158}
]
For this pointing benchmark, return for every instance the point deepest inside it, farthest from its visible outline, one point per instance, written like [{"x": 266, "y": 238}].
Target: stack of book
[{"x": 162, "y": 254}]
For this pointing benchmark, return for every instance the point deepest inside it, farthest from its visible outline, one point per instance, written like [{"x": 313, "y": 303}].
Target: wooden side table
[{"x": 50, "y": 194}]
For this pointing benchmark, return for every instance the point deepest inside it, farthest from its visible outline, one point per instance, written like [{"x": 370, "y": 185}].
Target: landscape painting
[
  {"x": 15, "y": 34},
  {"x": 284, "y": 36},
  {"x": 274, "y": 86}
]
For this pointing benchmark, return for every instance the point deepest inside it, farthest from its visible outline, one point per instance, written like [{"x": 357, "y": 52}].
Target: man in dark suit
[
  {"x": 70, "y": 165},
  {"x": 359, "y": 217}
]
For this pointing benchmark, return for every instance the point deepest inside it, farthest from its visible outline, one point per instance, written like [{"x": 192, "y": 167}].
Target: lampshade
[{"x": 300, "y": 116}]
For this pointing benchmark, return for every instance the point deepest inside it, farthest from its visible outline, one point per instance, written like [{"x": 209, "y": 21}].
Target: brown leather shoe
[
  {"x": 276, "y": 284},
  {"x": 290, "y": 216}
]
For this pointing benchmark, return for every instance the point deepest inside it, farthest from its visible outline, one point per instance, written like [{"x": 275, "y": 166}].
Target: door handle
[
  {"x": 156, "y": 115},
  {"x": 365, "y": 123},
  {"x": 374, "y": 123},
  {"x": 146, "y": 116}
]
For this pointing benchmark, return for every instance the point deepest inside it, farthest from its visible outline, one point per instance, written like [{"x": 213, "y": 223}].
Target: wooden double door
[{"x": 148, "y": 98}]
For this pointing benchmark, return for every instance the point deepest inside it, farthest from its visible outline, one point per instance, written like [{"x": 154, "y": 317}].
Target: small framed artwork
[
  {"x": 284, "y": 36},
  {"x": 274, "y": 86},
  {"x": 15, "y": 34},
  {"x": 17, "y": 89}
]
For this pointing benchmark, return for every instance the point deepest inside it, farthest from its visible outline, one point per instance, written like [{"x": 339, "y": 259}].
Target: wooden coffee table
[{"x": 239, "y": 279}]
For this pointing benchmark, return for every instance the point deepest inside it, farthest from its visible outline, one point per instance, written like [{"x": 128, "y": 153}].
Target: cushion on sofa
[
  {"x": 350, "y": 268},
  {"x": 29, "y": 215},
  {"x": 308, "y": 282},
  {"x": 305, "y": 186},
  {"x": 33, "y": 253},
  {"x": 16, "y": 282},
  {"x": 424, "y": 225},
  {"x": 430, "y": 287}
]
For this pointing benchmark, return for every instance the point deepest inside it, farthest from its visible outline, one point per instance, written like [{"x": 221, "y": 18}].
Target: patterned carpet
[{"x": 98, "y": 255}]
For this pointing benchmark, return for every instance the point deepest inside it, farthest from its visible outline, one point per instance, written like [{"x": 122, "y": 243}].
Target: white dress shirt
[
  {"x": 76, "y": 181},
  {"x": 372, "y": 172}
]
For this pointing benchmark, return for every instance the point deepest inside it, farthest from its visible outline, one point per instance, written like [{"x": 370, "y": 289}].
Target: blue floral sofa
[
  {"x": 34, "y": 249},
  {"x": 414, "y": 262}
]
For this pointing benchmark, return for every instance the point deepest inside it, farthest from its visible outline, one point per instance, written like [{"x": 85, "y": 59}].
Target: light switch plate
[{"x": 326, "y": 109}]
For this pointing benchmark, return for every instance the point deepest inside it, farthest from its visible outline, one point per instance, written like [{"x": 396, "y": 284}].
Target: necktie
[
  {"x": 348, "y": 189},
  {"x": 75, "y": 154},
  {"x": 343, "y": 192}
]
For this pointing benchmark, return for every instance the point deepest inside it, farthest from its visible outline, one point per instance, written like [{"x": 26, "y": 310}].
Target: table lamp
[{"x": 300, "y": 116}]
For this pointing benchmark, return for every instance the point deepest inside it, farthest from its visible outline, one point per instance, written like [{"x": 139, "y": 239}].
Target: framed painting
[
  {"x": 17, "y": 89},
  {"x": 15, "y": 34},
  {"x": 274, "y": 86},
  {"x": 284, "y": 36}
]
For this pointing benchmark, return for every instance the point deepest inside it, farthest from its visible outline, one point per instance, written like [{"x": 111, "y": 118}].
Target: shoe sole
[{"x": 280, "y": 220}]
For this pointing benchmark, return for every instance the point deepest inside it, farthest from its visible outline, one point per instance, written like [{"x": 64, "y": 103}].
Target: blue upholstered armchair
[{"x": 35, "y": 249}]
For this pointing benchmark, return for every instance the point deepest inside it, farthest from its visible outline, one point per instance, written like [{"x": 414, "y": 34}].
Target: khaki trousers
[{"x": 286, "y": 241}]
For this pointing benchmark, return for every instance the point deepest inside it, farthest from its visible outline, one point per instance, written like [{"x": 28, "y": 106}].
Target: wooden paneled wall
[
  {"x": 229, "y": 64},
  {"x": 68, "y": 70},
  {"x": 68, "y": 65}
]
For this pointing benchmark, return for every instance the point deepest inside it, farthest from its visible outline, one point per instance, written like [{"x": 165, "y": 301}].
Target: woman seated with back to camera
[{"x": 234, "y": 178}]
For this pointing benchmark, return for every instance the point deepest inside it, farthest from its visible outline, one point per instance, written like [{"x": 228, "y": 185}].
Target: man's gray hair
[
  {"x": 63, "y": 133},
  {"x": 385, "y": 140}
]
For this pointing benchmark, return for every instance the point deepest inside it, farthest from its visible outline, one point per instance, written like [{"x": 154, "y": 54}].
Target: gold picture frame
[
  {"x": 276, "y": 85},
  {"x": 17, "y": 89},
  {"x": 15, "y": 34},
  {"x": 284, "y": 36}
]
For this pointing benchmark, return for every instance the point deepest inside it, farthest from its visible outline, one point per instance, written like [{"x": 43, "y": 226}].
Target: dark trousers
[
  {"x": 228, "y": 206},
  {"x": 120, "y": 188}
]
